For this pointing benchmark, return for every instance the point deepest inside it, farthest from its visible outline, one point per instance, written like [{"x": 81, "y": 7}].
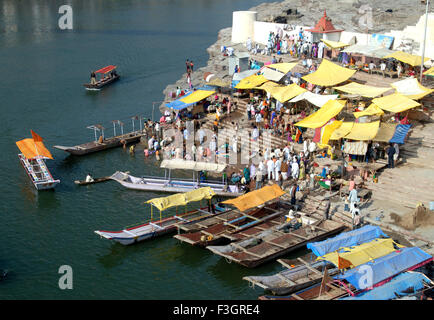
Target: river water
[{"x": 43, "y": 69}]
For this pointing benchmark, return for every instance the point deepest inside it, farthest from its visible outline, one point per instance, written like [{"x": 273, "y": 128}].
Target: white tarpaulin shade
[
  {"x": 241, "y": 75},
  {"x": 411, "y": 88},
  {"x": 192, "y": 165},
  {"x": 272, "y": 75},
  {"x": 316, "y": 99},
  {"x": 368, "y": 50}
]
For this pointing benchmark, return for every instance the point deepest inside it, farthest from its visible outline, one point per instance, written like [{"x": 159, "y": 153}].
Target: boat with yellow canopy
[
  {"x": 158, "y": 227},
  {"x": 33, "y": 153}
]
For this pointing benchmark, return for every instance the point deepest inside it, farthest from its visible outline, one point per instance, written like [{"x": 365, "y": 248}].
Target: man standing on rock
[{"x": 187, "y": 65}]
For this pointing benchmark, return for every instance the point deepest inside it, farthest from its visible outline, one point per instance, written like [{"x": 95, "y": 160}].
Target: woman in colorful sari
[{"x": 302, "y": 173}]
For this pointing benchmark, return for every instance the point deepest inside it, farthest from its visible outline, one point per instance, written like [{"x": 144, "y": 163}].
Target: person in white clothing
[
  {"x": 286, "y": 152},
  {"x": 295, "y": 170},
  {"x": 252, "y": 170},
  {"x": 383, "y": 67},
  {"x": 267, "y": 154},
  {"x": 89, "y": 178},
  {"x": 270, "y": 169},
  {"x": 277, "y": 166},
  {"x": 261, "y": 166}
]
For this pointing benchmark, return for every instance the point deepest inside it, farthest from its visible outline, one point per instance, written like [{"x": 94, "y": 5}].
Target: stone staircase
[
  {"x": 419, "y": 147},
  {"x": 411, "y": 182},
  {"x": 227, "y": 130}
]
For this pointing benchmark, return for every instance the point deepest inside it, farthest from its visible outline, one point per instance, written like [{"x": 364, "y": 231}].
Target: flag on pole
[{"x": 36, "y": 137}]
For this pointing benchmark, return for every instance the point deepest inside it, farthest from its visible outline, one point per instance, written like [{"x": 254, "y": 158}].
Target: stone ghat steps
[
  {"x": 405, "y": 185},
  {"x": 229, "y": 133},
  {"x": 400, "y": 192},
  {"x": 400, "y": 198}
]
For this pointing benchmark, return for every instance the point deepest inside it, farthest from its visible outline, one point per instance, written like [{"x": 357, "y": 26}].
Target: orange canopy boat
[{"x": 33, "y": 153}]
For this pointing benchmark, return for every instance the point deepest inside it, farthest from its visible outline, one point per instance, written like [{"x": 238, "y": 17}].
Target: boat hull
[
  {"x": 41, "y": 180},
  {"x": 164, "y": 185},
  {"x": 152, "y": 230},
  {"x": 94, "y": 146},
  {"x": 100, "y": 85}
]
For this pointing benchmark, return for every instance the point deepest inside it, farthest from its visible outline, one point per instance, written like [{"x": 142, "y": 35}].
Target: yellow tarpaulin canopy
[
  {"x": 32, "y": 149},
  {"x": 181, "y": 199},
  {"x": 256, "y": 198},
  {"x": 385, "y": 132},
  {"x": 334, "y": 44},
  {"x": 327, "y": 132},
  {"x": 363, "y": 131},
  {"x": 251, "y": 82},
  {"x": 197, "y": 96},
  {"x": 372, "y": 110},
  {"x": 411, "y": 88},
  {"x": 408, "y": 58},
  {"x": 329, "y": 74},
  {"x": 395, "y": 103},
  {"x": 282, "y": 93},
  {"x": 362, "y": 90},
  {"x": 429, "y": 72},
  {"x": 283, "y": 67},
  {"x": 363, "y": 253},
  {"x": 268, "y": 86},
  {"x": 342, "y": 131},
  {"x": 330, "y": 109},
  {"x": 217, "y": 82}
]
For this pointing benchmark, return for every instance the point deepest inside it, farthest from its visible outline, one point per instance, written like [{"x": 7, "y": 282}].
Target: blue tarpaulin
[
  {"x": 399, "y": 286},
  {"x": 385, "y": 267},
  {"x": 400, "y": 133},
  {"x": 178, "y": 104},
  {"x": 346, "y": 239}
]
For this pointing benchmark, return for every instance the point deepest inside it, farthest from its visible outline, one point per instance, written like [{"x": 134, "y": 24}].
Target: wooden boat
[
  {"x": 323, "y": 291},
  {"x": 168, "y": 184},
  {"x": 383, "y": 270},
  {"x": 105, "y": 79},
  {"x": 293, "y": 279},
  {"x": 103, "y": 144},
  {"x": 96, "y": 180},
  {"x": 33, "y": 153},
  {"x": 256, "y": 210},
  {"x": 235, "y": 226},
  {"x": 156, "y": 228},
  {"x": 278, "y": 241}
]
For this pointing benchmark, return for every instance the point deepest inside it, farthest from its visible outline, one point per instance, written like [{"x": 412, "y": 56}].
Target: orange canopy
[
  {"x": 256, "y": 198},
  {"x": 31, "y": 149}
]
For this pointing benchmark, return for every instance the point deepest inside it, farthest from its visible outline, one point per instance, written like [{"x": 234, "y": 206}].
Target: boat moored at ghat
[
  {"x": 102, "y": 143},
  {"x": 33, "y": 153},
  {"x": 156, "y": 228},
  {"x": 169, "y": 184}
]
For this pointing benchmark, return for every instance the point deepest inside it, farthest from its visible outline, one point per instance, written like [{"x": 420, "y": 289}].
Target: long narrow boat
[
  {"x": 96, "y": 180},
  {"x": 105, "y": 79},
  {"x": 169, "y": 184},
  {"x": 293, "y": 279},
  {"x": 160, "y": 227},
  {"x": 33, "y": 153},
  {"x": 278, "y": 241},
  {"x": 94, "y": 146}
]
